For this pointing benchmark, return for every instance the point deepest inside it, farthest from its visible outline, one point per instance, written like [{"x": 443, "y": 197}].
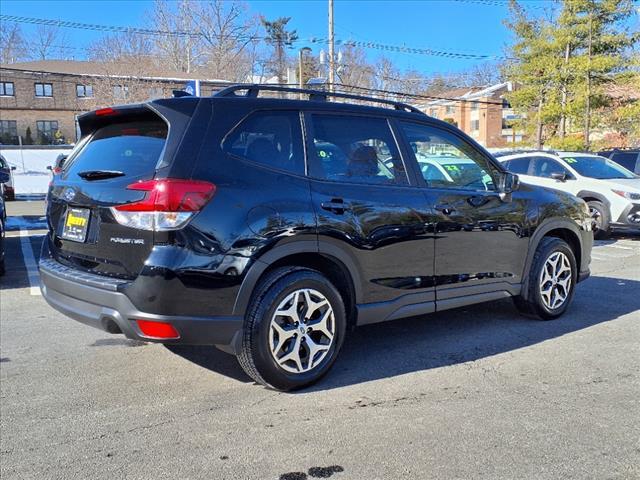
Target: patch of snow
[
  {"x": 31, "y": 183},
  {"x": 34, "y": 160}
]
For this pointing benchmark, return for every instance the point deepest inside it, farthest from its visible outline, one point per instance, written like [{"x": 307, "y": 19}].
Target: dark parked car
[
  {"x": 4, "y": 176},
  {"x": 270, "y": 226},
  {"x": 629, "y": 158},
  {"x": 7, "y": 190}
]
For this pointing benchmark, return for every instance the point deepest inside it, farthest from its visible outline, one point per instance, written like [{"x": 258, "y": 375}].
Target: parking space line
[{"x": 30, "y": 263}]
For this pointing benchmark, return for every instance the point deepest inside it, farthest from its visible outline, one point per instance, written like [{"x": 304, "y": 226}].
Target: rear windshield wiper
[{"x": 100, "y": 174}]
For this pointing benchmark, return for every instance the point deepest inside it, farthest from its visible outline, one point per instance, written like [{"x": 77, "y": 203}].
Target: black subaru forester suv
[{"x": 270, "y": 226}]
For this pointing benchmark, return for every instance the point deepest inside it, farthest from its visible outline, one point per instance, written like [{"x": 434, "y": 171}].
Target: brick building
[
  {"x": 47, "y": 96},
  {"x": 481, "y": 112}
]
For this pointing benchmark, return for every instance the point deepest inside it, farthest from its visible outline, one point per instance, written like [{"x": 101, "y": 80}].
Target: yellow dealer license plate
[{"x": 76, "y": 224}]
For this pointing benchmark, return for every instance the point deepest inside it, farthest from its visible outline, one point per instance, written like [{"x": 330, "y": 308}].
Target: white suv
[{"x": 611, "y": 191}]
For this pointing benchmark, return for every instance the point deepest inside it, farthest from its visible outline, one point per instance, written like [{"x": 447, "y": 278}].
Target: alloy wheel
[
  {"x": 301, "y": 331},
  {"x": 555, "y": 280}
]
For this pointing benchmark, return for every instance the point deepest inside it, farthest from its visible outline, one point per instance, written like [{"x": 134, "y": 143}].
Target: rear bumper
[{"x": 96, "y": 301}]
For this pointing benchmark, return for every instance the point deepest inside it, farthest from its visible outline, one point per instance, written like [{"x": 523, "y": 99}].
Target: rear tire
[
  {"x": 552, "y": 279},
  {"x": 293, "y": 330},
  {"x": 601, "y": 218}
]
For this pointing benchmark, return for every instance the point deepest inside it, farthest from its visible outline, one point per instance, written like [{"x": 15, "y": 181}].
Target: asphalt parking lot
[{"x": 473, "y": 393}]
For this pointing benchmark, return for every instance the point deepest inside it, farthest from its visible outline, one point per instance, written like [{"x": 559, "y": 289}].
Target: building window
[
  {"x": 8, "y": 132},
  {"x": 475, "y": 105},
  {"x": 155, "y": 92},
  {"x": 120, "y": 91},
  {"x": 46, "y": 131},
  {"x": 84, "y": 91},
  {"x": 6, "y": 89},
  {"x": 44, "y": 90},
  {"x": 505, "y": 103},
  {"x": 434, "y": 112},
  {"x": 475, "y": 125},
  {"x": 451, "y": 109}
]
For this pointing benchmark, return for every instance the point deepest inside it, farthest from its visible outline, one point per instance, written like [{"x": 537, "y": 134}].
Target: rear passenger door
[{"x": 369, "y": 209}]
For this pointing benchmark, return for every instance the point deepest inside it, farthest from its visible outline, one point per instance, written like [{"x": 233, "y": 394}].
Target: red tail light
[
  {"x": 105, "y": 111},
  {"x": 170, "y": 195},
  {"x": 158, "y": 329},
  {"x": 168, "y": 205}
]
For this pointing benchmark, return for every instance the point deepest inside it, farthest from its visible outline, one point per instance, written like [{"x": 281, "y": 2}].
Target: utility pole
[{"x": 332, "y": 67}]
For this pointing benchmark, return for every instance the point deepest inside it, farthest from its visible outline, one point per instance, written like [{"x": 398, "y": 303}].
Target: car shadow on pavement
[{"x": 448, "y": 338}]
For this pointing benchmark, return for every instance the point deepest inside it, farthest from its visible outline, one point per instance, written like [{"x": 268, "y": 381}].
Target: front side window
[
  {"x": 272, "y": 139},
  {"x": 6, "y": 89},
  {"x": 84, "y": 91},
  {"x": 356, "y": 150},
  {"x": 545, "y": 167},
  {"x": 598, "y": 167},
  {"x": 44, "y": 90},
  {"x": 446, "y": 161},
  {"x": 46, "y": 130}
]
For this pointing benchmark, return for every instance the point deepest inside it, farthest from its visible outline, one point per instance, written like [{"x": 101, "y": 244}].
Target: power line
[{"x": 315, "y": 40}]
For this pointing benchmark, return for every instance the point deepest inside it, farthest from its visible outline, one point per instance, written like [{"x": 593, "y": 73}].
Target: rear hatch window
[
  {"x": 83, "y": 231},
  {"x": 132, "y": 148}
]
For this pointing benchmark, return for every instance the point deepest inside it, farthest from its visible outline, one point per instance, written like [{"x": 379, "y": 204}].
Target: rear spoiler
[{"x": 167, "y": 109}]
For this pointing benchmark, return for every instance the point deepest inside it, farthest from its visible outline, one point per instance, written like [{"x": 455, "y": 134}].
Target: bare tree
[
  {"x": 182, "y": 45},
  {"x": 12, "y": 45},
  {"x": 229, "y": 39},
  {"x": 128, "y": 47},
  {"x": 46, "y": 40}
]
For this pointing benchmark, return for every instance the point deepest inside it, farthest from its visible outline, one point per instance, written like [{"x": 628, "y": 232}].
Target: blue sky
[{"x": 467, "y": 26}]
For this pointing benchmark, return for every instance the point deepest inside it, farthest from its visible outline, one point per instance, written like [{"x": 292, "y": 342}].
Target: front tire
[
  {"x": 552, "y": 279},
  {"x": 294, "y": 329}
]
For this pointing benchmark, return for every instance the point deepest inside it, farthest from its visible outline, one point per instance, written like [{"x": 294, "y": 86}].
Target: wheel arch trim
[
  {"x": 262, "y": 264},
  {"x": 541, "y": 232}
]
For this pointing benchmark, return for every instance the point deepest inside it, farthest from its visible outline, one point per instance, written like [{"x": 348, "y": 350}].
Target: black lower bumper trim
[{"x": 112, "y": 311}]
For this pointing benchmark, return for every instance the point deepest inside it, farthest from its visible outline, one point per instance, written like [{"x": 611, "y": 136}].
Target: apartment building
[
  {"x": 482, "y": 112},
  {"x": 40, "y": 101}
]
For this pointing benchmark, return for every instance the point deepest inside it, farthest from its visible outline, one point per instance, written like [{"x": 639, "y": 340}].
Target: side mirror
[
  {"x": 49, "y": 167},
  {"x": 560, "y": 176},
  {"x": 510, "y": 182},
  {"x": 13, "y": 167}
]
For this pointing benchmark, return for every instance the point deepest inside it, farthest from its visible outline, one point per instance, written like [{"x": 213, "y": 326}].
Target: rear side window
[
  {"x": 356, "y": 150},
  {"x": 518, "y": 165},
  {"x": 627, "y": 160},
  {"x": 133, "y": 148},
  {"x": 272, "y": 139}
]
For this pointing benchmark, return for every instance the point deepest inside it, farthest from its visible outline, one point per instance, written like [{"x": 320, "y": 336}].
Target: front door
[
  {"x": 365, "y": 202},
  {"x": 481, "y": 239}
]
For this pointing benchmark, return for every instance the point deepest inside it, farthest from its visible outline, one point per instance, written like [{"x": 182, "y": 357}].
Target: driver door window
[
  {"x": 544, "y": 167},
  {"x": 446, "y": 161}
]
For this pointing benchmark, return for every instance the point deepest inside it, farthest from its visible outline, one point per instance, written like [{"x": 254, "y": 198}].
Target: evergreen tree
[{"x": 279, "y": 37}]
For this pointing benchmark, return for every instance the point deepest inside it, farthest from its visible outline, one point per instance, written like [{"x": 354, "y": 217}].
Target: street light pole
[{"x": 301, "y": 52}]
